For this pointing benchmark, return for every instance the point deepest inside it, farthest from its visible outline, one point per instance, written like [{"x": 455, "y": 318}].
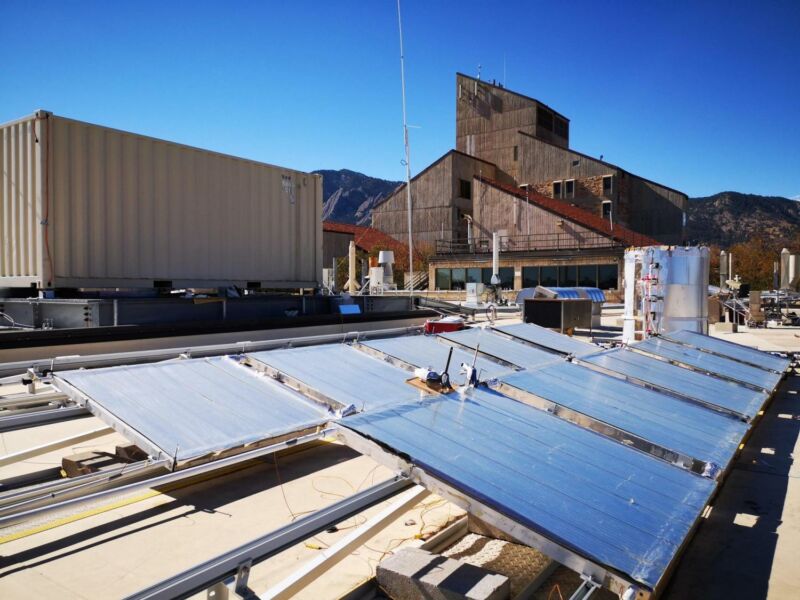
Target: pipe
[
  {"x": 351, "y": 265},
  {"x": 495, "y": 258}
]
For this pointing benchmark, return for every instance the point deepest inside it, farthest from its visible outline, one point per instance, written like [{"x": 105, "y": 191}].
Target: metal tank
[
  {"x": 666, "y": 289},
  {"x": 87, "y": 206}
]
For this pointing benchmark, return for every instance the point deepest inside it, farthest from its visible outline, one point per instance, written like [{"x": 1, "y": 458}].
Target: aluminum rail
[
  {"x": 41, "y": 417},
  {"x": 243, "y": 557},
  {"x": 64, "y": 363},
  {"x": 37, "y": 513}
]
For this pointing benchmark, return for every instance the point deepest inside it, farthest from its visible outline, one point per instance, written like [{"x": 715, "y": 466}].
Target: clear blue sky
[{"x": 702, "y": 96}]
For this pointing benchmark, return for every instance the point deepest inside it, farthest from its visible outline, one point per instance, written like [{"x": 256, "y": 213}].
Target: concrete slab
[{"x": 415, "y": 574}]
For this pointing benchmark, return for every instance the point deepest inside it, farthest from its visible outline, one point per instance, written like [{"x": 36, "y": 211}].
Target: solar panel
[
  {"x": 708, "y": 362},
  {"x": 728, "y": 349},
  {"x": 426, "y": 352},
  {"x": 726, "y": 395},
  {"x": 546, "y": 338},
  {"x": 663, "y": 420},
  {"x": 597, "y": 498},
  {"x": 343, "y": 374},
  {"x": 188, "y": 408},
  {"x": 502, "y": 347}
]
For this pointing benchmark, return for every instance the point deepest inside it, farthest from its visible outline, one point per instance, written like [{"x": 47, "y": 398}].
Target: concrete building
[{"x": 513, "y": 173}]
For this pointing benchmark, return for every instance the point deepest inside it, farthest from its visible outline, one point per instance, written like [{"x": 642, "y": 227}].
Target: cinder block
[
  {"x": 723, "y": 327},
  {"x": 415, "y": 574},
  {"x": 84, "y": 463}
]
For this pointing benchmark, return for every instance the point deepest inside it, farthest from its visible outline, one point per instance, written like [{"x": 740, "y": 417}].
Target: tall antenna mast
[{"x": 408, "y": 156}]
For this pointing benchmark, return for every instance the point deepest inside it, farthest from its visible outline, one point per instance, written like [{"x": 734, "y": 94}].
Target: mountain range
[{"x": 723, "y": 219}]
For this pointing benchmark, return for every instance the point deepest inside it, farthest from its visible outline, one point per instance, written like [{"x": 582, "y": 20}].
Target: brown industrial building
[{"x": 563, "y": 217}]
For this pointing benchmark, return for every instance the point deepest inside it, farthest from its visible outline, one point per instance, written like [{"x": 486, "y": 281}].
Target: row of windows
[
  {"x": 566, "y": 188},
  {"x": 457, "y": 279},
  {"x": 602, "y": 276}
]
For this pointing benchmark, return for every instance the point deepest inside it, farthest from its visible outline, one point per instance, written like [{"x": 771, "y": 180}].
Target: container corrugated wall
[
  {"x": 20, "y": 204},
  {"x": 130, "y": 211}
]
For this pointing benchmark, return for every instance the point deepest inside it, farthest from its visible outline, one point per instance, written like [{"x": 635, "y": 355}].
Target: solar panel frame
[
  {"x": 665, "y": 422},
  {"x": 707, "y": 362},
  {"x": 713, "y": 392},
  {"x": 187, "y": 409},
  {"x": 426, "y": 351},
  {"x": 545, "y": 338},
  {"x": 500, "y": 347},
  {"x": 340, "y": 373},
  {"x": 728, "y": 349},
  {"x": 578, "y": 496}
]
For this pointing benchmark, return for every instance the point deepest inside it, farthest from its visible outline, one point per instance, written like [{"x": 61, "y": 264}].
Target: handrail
[{"x": 528, "y": 243}]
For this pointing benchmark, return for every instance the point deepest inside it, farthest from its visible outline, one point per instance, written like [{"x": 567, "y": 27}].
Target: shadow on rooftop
[
  {"x": 206, "y": 496},
  {"x": 732, "y": 554}
]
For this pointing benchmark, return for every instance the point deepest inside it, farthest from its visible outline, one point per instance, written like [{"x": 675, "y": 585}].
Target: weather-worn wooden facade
[
  {"x": 644, "y": 206},
  {"x": 489, "y": 116},
  {"x": 441, "y": 195}
]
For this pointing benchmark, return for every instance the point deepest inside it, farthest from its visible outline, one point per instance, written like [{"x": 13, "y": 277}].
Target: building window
[
  {"x": 568, "y": 276},
  {"x": 474, "y": 275},
  {"x": 544, "y": 118},
  {"x": 607, "y": 209},
  {"x": 458, "y": 279},
  {"x": 466, "y": 189},
  {"x": 530, "y": 277},
  {"x": 587, "y": 275},
  {"x": 516, "y": 153},
  {"x": 561, "y": 127},
  {"x": 557, "y": 189},
  {"x": 607, "y": 277},
  {"x": 548, "y": 276},
  {"x": 608, "y": 185},
  {"x": 442, "y": 279},
  {"x": 506, "y": 275},
  {"x": 569, "y": 188}
]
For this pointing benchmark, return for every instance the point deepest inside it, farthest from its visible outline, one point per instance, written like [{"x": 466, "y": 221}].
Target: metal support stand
[{"x": 586, "y": 589}]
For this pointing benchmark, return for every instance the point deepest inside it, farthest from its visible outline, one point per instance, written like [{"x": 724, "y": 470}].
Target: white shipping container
[{"x": 87, "y": 206}]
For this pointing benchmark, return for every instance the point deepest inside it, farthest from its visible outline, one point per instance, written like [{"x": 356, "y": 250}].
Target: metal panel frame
[
  {"x": 228, "y": 564},
  {"x": 110, "y": 419},
  {"x": 585, "y": 421},
  {"x": 688, "y": 344},
  {"x": 657, "y": 388},
  {"x": 614, "y": 581}
]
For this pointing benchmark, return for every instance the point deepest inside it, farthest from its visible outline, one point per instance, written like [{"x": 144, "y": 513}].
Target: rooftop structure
[{"x": 509, "y": 142}]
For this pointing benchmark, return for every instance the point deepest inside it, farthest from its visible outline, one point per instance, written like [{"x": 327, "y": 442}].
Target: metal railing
[{"x": 528, "y": 243}]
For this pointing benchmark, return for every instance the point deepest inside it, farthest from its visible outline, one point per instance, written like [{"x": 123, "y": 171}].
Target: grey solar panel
[
  {"x": 667, "y": 422},
  {"x": 712, "y": 391},
  {"x": 729, "y": 349},
  {"x": 189, "y": 408},
  {"x": 343, "y": 374},
  {"x": 426, "y": 352},
  {"x": 546, "y": 338},
  {"x": 595, "y": 498},
  {"x": 501, "y": 347},
  {"x": 708, "y": 362}
]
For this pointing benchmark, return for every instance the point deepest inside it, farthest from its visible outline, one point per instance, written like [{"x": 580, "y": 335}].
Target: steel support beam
[
  {"x": 41, "y": 417},
  {"x": 226, "y": 565},
  {"x": 327, "y": 558},
  {"x": 54, "y": 445},
  {"x": 38, "y": 513},
  {"x": 64, "y": 363}
]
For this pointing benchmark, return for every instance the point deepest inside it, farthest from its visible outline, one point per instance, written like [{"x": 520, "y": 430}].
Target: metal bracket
[{"x": 586, "y": 588}]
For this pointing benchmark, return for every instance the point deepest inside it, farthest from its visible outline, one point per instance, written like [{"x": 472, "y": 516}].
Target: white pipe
[
  {"x": 495, "y": 255},
  {"x": 351, "y": 260}
]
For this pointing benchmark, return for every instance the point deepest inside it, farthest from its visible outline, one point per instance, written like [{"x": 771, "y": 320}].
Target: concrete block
[
  {"x": 723, "y": 327},
  {"x": 84, "y": 463},
  {"x": 415, "y": 574}
]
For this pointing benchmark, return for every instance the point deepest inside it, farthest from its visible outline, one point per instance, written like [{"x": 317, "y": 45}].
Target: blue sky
[{"x": 702, "y": 96}]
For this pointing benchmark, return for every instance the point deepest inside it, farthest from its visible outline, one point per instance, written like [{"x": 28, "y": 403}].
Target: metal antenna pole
[{"x": 408, "y": 156}]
